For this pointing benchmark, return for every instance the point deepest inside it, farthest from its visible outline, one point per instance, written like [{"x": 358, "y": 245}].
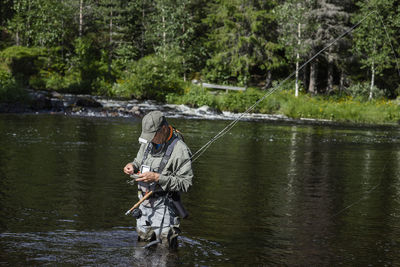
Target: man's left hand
[{"x": 148, "y": 177}]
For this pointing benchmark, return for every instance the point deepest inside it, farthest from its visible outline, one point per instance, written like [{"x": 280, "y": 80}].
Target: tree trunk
[
  {"x": 312, "y": 88},
  {"x": 164, "y": 33},
  {"x": 268, "y": 80},
  {"x": 330, "y": 71},
  {"x": 80, "y": 17},
  {"x": 305, "y": 75},
  {"x": 110, "y": 53},
  {"x": 296, "y": 93},
  {"x": 143, "y": 32},
  {"x": 111, "y": 26},
  {"x": 341, "y": 83},
  {"x": 183, "y": 58},
  {"x": 17, "y": 42},
  {"x": 26, "y": 38},
  {"x": 372, "y": 80}
]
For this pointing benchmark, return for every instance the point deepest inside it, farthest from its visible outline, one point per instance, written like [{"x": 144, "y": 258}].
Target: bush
[
  {"x": 10, "y": 89},
  {"x": 346, "y": 109},
  {"x": 151, "y": 77},
  {"x": 361, "y": 91},
  {"x": 194, "y": 96},
  {"x": 22, "y": 62}
]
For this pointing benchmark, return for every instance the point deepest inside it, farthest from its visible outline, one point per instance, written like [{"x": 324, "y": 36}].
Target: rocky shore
[{"x": 95, "y": 106}]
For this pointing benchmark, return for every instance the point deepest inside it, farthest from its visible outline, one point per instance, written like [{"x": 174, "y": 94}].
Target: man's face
[{"x": 161, "y": 135}]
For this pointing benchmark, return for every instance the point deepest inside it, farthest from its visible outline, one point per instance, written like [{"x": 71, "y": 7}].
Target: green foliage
[
  {"x": 283, "y": 102},
  {"x": 240, "y": 41},
  {"x": 151, "y": 77},
  {"x": 40, "y": 22},
  {"x": 194, "y": 96},
  {"x": 10, "y": 89},
  {"x": 22, "y": 62},
  {"x": 83, "y": 69},
  {"x": 372, "y": 39},
  {"x": 292, "y": 15},
  {"x": 146, "y": 48},
  {"x": 361, "y": 91}
]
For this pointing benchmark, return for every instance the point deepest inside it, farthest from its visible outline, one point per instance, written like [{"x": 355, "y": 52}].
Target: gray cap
[{"x": 151, "y": 123}]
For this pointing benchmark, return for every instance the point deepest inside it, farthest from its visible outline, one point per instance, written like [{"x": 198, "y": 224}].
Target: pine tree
[
  {"x": 331, "y": 21},
  {"x": 241, "y": 41}
]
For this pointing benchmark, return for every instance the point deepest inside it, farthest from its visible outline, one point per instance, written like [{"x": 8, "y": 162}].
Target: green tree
[
  {"x": 295, "y": 27},
  {"x": 330, "y": 21},
  {"x": 371, "y": 42},
  {"x": 6, "y": 13},
  {"x": 241, "y": 41},
  {"x": 20, "y": 24}
]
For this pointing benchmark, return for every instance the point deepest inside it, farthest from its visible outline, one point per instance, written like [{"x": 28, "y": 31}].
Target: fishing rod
[
  {"x": 225, "y": 130},
  {"x": 199, "y": 152},
  {"x": 384, "y": 167}
]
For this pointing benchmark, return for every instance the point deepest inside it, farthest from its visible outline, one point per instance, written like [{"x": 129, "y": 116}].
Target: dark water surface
[{"x": 264, "y": 194}]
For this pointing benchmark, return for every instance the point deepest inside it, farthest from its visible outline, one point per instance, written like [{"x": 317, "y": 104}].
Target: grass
[{"x": 340, "y": 109}]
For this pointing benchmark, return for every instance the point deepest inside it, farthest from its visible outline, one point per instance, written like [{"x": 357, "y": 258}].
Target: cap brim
[{"x": 148, "y": 136}]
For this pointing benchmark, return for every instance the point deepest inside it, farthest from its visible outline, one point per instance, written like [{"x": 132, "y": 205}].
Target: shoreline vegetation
[
  {"x": 345, "y": 109},
  {"x": 283, "y": 102},
  {"x": 151, "y": 50}
]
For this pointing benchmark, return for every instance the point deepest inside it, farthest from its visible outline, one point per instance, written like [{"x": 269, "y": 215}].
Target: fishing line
[
  {"x": 199, "y": 152},
  {"x": 390, "y": 42},
  {"x": 225, "y": 130},
  {"x": 365, "y": 193},
  {"x": 381, "y": 177}
]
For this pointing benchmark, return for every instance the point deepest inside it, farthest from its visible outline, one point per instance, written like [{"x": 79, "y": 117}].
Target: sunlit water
[{"x": 264, "y": 194}]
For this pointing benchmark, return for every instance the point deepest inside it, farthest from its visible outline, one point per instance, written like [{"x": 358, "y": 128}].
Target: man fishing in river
[{"x": 162, "y": 169}]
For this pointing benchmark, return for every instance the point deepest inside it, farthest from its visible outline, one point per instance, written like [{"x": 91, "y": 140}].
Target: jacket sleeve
[
  {"x": 178, "y": 174},
  {"x": 139, "y": 157}
]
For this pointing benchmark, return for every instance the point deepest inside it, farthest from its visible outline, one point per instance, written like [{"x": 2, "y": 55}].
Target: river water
[{"x": 266, "y": 193}]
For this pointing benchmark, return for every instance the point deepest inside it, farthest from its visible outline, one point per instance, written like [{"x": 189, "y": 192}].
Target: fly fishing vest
[
  {"x": 170, "y": 145},
  {"x": 174, "y": 197}
]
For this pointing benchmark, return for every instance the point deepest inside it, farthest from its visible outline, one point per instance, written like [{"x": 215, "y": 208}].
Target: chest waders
[{"x": 158, "y": 192}]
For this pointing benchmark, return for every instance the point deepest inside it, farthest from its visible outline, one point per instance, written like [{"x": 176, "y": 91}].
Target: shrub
[
  {"x": 151, "y": 77},
  {"x": 194, "y": 96},
  {"x": 22, "y": 62},
  {"x": 10, "y": 89},
  {"x": 361, "y": 91}
]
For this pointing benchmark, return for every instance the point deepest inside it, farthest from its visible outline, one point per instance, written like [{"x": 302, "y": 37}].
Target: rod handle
[{"x": 146, "y": 196}]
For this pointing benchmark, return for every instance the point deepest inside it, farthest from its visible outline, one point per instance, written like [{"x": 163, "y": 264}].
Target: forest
[{"x": 153, "y": 49}]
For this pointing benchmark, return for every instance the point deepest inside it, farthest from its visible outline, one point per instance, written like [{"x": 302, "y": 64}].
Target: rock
[
  {"x": 88, "y": 102},
  {"x": 56, "y": 95},
  {"x": 57, "y": 104},
  {"x": 135, "y": 110},
  {"x": 76, "y": 109},
  {"x": 12, "y": 108},
  {"x": 208, "y": 110},
  {"x": 40, "y": 101}
]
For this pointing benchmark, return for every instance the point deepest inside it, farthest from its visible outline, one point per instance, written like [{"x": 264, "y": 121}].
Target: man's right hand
[{"x": 128, "y": 169}]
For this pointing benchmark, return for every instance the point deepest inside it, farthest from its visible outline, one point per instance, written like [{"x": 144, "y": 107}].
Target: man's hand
[
  {"x": 128, "y": 169},
  {"x": 148, "y": 177}
]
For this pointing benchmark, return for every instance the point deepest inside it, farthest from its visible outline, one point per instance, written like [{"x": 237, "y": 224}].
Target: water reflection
[
  {"x": 264, "y": 194},
  {"x": 117, "y": 246}
]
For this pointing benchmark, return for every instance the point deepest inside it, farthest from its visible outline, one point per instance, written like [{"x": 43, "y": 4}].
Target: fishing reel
[{"x": 136, "y": 213}]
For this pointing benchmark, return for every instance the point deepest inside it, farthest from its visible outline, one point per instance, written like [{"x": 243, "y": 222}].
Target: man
[{"x": 163, "y": 166}]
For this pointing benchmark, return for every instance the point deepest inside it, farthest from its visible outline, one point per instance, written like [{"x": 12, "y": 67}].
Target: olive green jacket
[{"x": 177, "y": 174}]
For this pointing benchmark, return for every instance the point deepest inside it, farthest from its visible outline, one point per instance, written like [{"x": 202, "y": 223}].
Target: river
[{"x": 267, "y": 193}]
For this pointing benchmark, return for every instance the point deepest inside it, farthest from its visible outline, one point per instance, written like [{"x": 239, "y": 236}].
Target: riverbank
[
  {"x": 280, "y": 106},
  {"x": 344, "y": 109}
]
